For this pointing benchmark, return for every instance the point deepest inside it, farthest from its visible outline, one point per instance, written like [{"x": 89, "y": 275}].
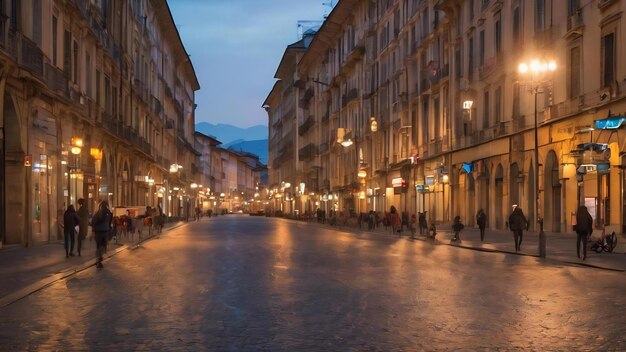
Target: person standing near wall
[{"x": 583, "y": 228}]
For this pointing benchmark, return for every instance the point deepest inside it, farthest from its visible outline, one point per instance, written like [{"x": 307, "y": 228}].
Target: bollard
[{"x": 542, "y": 239}]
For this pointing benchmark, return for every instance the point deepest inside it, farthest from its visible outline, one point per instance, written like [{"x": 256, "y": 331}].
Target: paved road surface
[{"x": 264, "y": 284}]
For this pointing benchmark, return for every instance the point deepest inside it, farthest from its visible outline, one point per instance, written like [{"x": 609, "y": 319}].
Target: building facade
[
  {"x": 421, "y": 104},
  {"x": 98, "y": 103}
]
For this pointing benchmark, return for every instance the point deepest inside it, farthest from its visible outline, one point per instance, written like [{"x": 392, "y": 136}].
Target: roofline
[
  {"x": 274, "y": 87},
  {"x": 183, "y": 58},
  {"x": 200, "y": 134}
]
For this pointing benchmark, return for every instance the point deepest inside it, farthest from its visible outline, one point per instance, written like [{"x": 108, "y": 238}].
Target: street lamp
[
  {"x": 537, "y": 70},
  {"x": 76, "y": 144}
]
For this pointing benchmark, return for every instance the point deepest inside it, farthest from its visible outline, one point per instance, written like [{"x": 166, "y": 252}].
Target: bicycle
[{"x": 605, "y": 243}]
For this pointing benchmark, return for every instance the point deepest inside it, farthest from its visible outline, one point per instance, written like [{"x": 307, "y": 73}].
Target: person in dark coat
[
  {"x": 395, "y": 219},
  {"x": 584, "y": 227},
  {"x": 70, "y": 221},
  {"x": 423, "y": 223},
  {"x": 101, "y": 223},
  {"x": 83, "y": 224},
  {"x": 517, "y": 224},
  {"x": 481, "y": 220},
  {"x": 457, "y": 226}
]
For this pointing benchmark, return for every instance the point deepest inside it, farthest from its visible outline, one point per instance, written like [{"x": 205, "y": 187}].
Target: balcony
[
  {"x": 156, "y": 105},
  {"x": 323, "y": 148},
  {"x": 354, "y": 56},
  {"x": 307, "y": 152},
  {"x": 56, "y": 80},
  {"x": 306, "y": 125},
  {"x": 349, "y": 97},
  {"x": 488, "y": 67},
  {"x": 575, "y": 24}
]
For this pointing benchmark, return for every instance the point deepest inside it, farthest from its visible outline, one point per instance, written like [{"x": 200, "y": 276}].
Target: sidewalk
[
  {"x": 27, "y": 270},
  {"x": 560, "y": 247}
]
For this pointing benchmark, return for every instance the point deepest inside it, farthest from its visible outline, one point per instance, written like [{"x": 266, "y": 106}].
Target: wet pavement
[{"x": 253, "y": 284}]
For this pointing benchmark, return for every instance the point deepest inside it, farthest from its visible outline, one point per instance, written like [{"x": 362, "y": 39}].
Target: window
[
  {"x": 470, "y": 9},
  {"x": 517, "y": 25},
  {"x": 75, "y": 62},
  {"x": 55, "y": 40},
  {"x": 67, "y": 53},
  {"x": 540, "y": 15},
  {"x": 88, "y": 75},
  {"x": 574, "y": 72},
  {"x": 498, "y": 33},
  {"x": 98, "y": 98},
  {"x": 486, "y": 109},
  {"x": 470, "y": 50},
  {"x": 608, "y": 59},
  {"x": 36, "y": 21},
  {"x": 497, "y": 105},
  {"x": 481, "y": 44},
  {"x": 458, "y": 62}
]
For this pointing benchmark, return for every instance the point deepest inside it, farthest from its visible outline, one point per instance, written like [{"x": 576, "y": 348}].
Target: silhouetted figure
[
  {"x": 481, "y": 220},
  {"x": 584, "y": 227},
  {"x": 423, "y": 224},
  {"x": 70, "y": 221},
  {"x": 517, "y": 224},
  {"x": 457, "y": 226},
  {"x": 101, "y": 223}
]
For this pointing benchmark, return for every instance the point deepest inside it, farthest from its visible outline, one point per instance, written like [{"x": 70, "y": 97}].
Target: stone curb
[
  {"x": 480, "y": 249},
  {"x": 49, "y": 281}
]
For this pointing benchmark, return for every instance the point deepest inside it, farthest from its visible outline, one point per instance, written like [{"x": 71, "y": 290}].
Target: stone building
[
  {"x": 98, "y": 103},
  {"x": 422, "y": 104}
]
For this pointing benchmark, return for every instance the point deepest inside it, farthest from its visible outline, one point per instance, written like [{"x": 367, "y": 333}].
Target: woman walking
[
  {"x": 70, "y": 221},
  {"x": 517, "y": 224},
  {"x": 395, "y": 219},
  {"x": 481, "y": 220},
  {"x": 101, "y": 223},
  {"x": 584, "y": 227}
]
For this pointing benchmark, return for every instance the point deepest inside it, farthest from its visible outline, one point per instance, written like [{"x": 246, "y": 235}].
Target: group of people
[
  {"x": 79, "y": 221},
  {"x": 517, "y": 223},
  {"x": 102, "y": 222}
]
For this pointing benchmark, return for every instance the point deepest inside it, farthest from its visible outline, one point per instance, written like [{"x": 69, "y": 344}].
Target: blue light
[
  {"x": 467, "y": 167},
  {"x": 610, "y": 123}
]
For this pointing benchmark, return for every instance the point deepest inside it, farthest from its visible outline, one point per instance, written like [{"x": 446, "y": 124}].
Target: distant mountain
[
  {"x": 252, "y": 139},
  {"x": 258, "y": 147},
  {"x": 228, "y": 133}
]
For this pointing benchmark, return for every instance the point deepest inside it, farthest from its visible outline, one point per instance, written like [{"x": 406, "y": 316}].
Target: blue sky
[{"x": 235, "y": 47}]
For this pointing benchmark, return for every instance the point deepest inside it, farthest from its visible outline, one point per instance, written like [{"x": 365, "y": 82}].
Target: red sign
[{"x": 28, "y": 160}]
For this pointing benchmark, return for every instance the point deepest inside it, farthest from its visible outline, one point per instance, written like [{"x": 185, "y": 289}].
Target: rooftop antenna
[{"x": 329, "y": 7}]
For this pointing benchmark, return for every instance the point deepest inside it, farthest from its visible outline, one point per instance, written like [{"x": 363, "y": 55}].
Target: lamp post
[
  {"x": 537, "y": 70},
  {"x": 96, "y": 154},
  {"x": 76, "y": 144}
]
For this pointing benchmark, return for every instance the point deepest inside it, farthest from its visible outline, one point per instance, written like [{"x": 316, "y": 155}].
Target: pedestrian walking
[
  {"x": 481, "y": 220},
  {"x": 457, "y": 226},
  {"x": 517, "y": 224},
  {"x": 413, "y": 225},
  {"x": 83, "y": 224},
  {"x": 70, "y": 221},
  {"x": 583, "y": 228},
  {"x": 101, "y": 223},
  {"x": 394, "y": 219},
  {"x": 423, "y": 223}
]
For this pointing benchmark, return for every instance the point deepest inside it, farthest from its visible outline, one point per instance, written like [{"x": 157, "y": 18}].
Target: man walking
[
  {"x": 584, "y": 227},
  {"x": 101, "y": 223},
  {"x": 517, "y": 224}
]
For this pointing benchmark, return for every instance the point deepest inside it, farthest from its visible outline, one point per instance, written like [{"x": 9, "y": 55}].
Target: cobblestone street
[{"x": 254, "y": 283}]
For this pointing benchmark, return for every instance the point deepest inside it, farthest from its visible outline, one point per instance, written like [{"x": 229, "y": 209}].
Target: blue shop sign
[{"x": 609, "y": 123}]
